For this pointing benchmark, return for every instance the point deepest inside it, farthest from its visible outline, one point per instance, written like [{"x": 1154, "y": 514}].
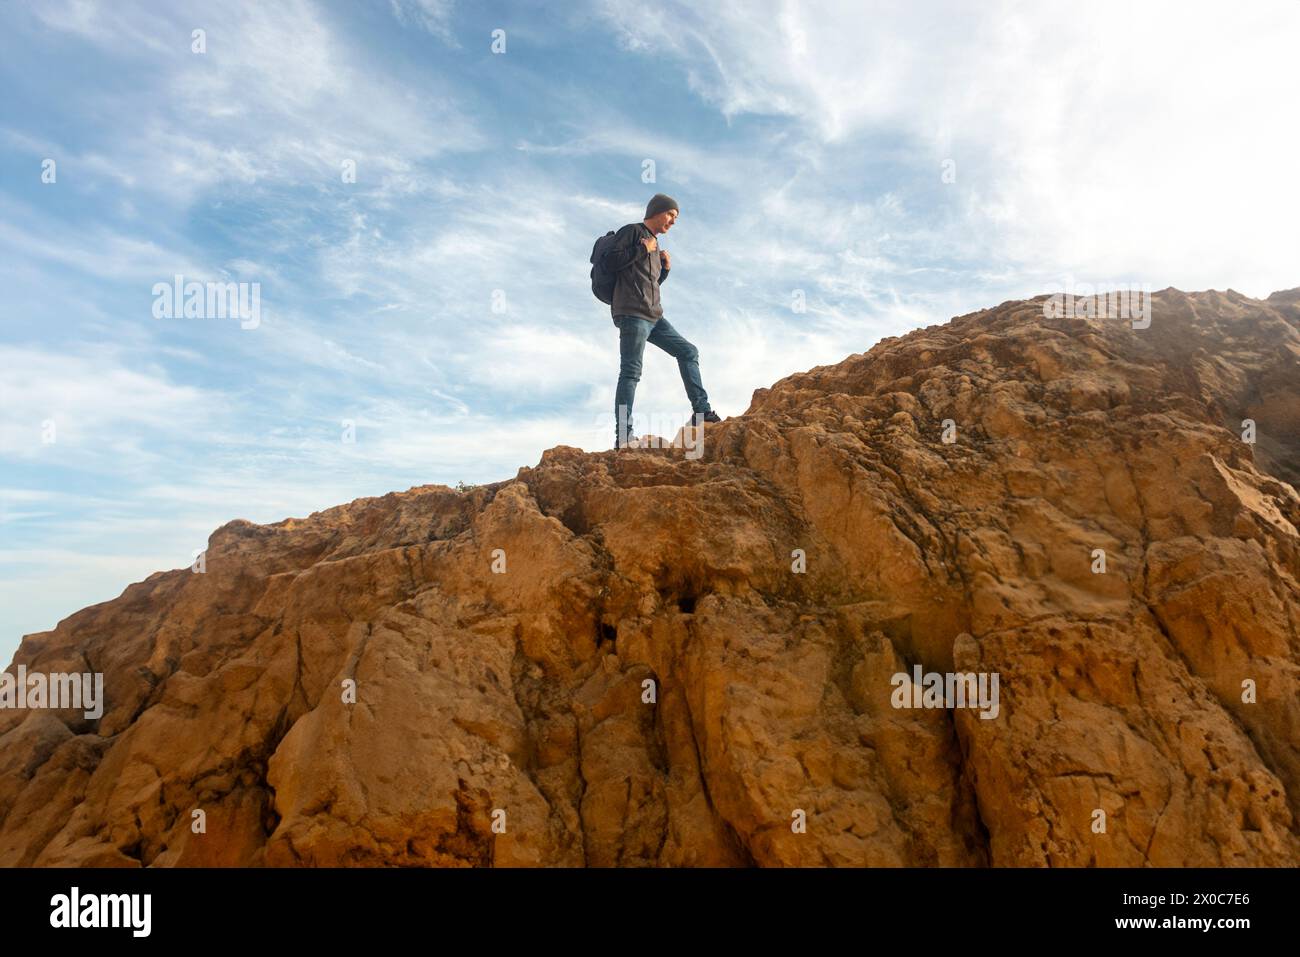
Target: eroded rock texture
[{"x": 525, "y": 691}]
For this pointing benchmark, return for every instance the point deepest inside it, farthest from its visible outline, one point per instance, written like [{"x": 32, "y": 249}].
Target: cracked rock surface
[{"x": 637, "y": 658}]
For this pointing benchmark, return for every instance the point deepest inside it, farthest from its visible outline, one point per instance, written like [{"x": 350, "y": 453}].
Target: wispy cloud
[
  {"x": 277, "y": 95},
  {"x": 431, "y": 15},
  {"x": 82, "y": 401}
]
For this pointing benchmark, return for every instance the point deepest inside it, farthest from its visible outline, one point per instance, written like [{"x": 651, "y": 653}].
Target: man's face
[{"x": 662, "y": 222}]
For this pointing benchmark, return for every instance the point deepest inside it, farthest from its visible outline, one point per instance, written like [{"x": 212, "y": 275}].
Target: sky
[{"x": 414, "y": 187}]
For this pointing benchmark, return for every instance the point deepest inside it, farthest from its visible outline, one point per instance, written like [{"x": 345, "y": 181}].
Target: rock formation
[{"x": 639, "y": 658}]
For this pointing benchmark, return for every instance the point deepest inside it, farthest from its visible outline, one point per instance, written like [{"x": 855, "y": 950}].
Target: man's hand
[
  {"x": 651, "y": 244},
  {"x": 665, "y": 260}
]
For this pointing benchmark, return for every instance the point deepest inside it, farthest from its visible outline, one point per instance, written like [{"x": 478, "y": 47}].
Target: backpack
[{"x": 602, "y": 282}]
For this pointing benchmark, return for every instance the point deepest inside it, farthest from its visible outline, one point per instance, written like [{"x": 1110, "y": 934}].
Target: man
[{"x": 639, "y": 266}]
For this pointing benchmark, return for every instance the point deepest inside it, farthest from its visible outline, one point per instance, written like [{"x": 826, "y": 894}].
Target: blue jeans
[{"x": 633, "y": 333}]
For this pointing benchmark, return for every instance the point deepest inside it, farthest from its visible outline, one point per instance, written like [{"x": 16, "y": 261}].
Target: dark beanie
[{"x": 658, "y": 203}]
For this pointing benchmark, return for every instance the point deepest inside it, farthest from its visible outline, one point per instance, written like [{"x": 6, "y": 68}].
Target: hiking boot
[
  {"x": 627, "y": 442},
  {"x": 699, "y": 418}
]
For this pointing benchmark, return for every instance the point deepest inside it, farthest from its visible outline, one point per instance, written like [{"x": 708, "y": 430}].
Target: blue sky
[{"x": 440, "y": 302}]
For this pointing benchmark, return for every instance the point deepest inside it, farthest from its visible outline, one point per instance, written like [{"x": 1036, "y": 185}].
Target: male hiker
[{"x": 639, "y": 266}]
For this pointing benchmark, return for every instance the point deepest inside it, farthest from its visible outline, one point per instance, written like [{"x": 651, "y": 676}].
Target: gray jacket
[{"x": 637, "y": 274}]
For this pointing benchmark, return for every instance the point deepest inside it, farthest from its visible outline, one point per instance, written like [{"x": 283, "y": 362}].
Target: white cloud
[
  {"x": 278, "y": 96},
  {"x": 1105, "y": 140},
  {"x": 97, "y": 251},
  {"x": 87, "y": 19},
  {"x": 96, "y": 405},
  {"x": 432, "y": 15}
]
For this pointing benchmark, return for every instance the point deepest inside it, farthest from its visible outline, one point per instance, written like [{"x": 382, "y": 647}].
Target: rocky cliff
[{"x": 646, "y": 658}]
